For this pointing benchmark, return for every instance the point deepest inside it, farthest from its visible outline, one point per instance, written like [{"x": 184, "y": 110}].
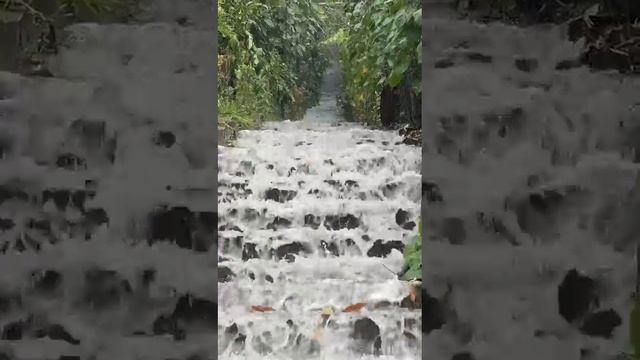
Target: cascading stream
[{"x": 315, "y": 213}]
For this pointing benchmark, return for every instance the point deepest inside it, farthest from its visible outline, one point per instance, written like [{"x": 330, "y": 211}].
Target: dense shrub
[{"x": 270, "y": 59}]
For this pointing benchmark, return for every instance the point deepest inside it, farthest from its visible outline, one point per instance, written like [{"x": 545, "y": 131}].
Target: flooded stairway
[
  {"x": 315, "y": 214},
  {"x": 530, "y": 172},
  {"x": 107, "y": 193}
]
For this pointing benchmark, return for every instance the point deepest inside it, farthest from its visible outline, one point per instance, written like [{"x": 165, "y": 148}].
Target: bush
[
  {"x": 270, "y": 59},
  {"x": 381, "y": 49}
]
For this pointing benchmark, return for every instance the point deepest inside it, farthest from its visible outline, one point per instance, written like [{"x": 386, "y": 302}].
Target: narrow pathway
[{"x": 314, "y": 214}]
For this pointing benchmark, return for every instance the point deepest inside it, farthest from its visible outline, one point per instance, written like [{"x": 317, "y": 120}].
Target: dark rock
[
  {"x": 279, "y": 223},
  {"x": 478, "y": 57},
  {"x": 365, "y": 329},
  {"x": 61, "y": 197},
  {"x": 174, "y": 225},
  {"x": 453, "y": 229},
  {"x": 334, "y": 183},
  {"x": 208, "y": 221},
  {"x": 433, "y": 312},
  {"x": 231, "y": 330},
  {"x": 6, "y": 224},
  {"x": 526, "y": 65},
  {"x": 279, "y": 195},
  {"x": 78, "y": 199},
  {"x": 69, "y": 161},
  {"x": 377, "y": 346},
  {"x": 546, "y": 201},
  {"x": 336, "y": 222},
  {"x": 443, "y": 64},
  {"x": 148, "y": 276},
  {"x": 331, "y": 248},
  {"x": 47, "y": 280},
  {"x": 6, "y": 302},
  {"x": 104, "y": 288},
  {"x": 190, "y": 309},
  {"x": 57, "y": 332},
  {"x": 586, "y": 354},
  {"x": 366, "y": 333},
  {"x": 249, "y": 251},
  {"x": 409, "y": 226},
  {"x": 69, "y": 357},
  {"x": 225, "y": 274},
  {"x": 165, "y": 325},
  {"x": 601, "y": 324},
  {"x": 14, "y": 330},
  {"x": 268, "y": 278},
  {"x": 228, "y": 227},
  {"x": 389, "y": 190},
  {"x": 401, "y": 217},
  {"x": 8, "y": 192},
  {"x": 238, "y": 344},
  {"x": 202, "y": 242},
  {"x": 287, "y": 251},
  {"x": 568, "y": 64},
  {"x": 164, "y": 138},
  {"x": 43, "y": 225},
  {"x": 382, "y": 249},
  {"x": 312, "y": 221},
  {"x": 96, "y": 216},
  {"x": 351, "y": 184},
  {"x": 252, "y": 276},
  {"x": 432, "y": 192},
  {"x": 463, "y": 356},
  {"x": 232, "y": 243},
  {"x": 577, "y": 296}
]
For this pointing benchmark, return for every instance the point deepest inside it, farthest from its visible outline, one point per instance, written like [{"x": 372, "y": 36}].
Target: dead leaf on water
[
  {"x": 355, "y": 307},
  {"x": 259, "y": 308}
]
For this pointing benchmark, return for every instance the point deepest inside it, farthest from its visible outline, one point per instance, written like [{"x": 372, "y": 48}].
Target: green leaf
[{"x": 413, "y": 257}]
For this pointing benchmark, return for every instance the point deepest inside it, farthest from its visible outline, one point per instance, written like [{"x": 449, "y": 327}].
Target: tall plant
[
  {"x": 270, "y": 57},
  {"x": 381, "y": 46}
]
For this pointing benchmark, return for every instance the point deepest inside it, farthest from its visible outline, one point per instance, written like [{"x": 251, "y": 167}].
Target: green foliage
[
  {"x": 270, "y": 58},
  {"x": 381, "y": 45},
  {"x": 413, "y": 257}
]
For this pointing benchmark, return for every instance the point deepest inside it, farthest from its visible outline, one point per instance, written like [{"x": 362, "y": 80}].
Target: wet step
[{"x": 333, "y": 219}]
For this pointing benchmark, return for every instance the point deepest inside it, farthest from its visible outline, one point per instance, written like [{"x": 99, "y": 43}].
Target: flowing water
[
  {"x": 531, "y": 156},
  {"x": 308, "y": 212}
]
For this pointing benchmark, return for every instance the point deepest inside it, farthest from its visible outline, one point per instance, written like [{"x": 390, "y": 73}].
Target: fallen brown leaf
[
  {"x": 355, "y": 307},
  {"x": 258, "y": 308}
]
